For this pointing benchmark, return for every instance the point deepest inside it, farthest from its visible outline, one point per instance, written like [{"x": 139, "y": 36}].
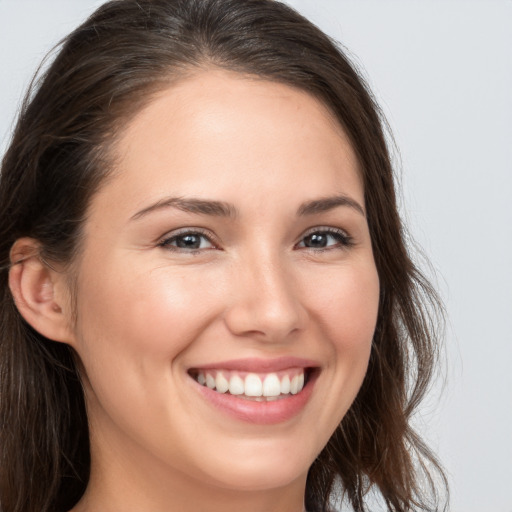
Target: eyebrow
[
  {"x": 191, "y": 205},
  {"x": 223, "y": 209},
  {"x": 325, "y": 204}
]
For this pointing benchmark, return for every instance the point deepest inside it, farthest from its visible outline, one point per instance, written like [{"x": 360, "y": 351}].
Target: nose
[{"x": 265, "y": 302}]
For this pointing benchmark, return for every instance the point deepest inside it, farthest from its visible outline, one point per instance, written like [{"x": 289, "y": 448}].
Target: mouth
[
  {"x": 259, "y": 387},
  {"x": 257, "y": 391}
]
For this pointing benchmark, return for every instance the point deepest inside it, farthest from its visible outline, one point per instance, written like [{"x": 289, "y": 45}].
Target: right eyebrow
[{"x": 190, "y": 205}]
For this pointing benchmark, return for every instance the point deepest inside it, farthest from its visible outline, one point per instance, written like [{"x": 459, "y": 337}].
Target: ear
[{"x": 40, "y": 292}]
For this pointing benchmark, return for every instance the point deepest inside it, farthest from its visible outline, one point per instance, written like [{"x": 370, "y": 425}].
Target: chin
[
  {"x": 261, "y": 479},
  {"x": 263, "y": 468}
]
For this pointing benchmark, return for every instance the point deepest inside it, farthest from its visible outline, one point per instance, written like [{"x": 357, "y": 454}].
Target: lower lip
[{"x": 261, "y": 413}]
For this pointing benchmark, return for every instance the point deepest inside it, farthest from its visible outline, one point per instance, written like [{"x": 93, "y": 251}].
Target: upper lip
[{"x": 260, "y": 365}]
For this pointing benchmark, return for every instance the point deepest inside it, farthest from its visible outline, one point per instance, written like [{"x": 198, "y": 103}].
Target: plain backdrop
[{"x": 442, "y": 72}]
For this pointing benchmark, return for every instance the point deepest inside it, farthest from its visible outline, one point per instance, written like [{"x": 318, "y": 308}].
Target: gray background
[{"x": 442, "y": 71}]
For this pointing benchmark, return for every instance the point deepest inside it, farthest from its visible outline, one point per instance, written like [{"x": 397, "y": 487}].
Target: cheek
[
  {"x": 132, "y": 328},
  {"x": 133, "y": 325},
  {"x": 346, "y": 305},
  {"x": 343, "y": 304},
  {"x": 155, "y": 312}
]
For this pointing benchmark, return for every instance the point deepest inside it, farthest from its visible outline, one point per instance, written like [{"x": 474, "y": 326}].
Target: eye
[
  {"x": 325, "y": 238},
  {"x": 190, "y": 241}
]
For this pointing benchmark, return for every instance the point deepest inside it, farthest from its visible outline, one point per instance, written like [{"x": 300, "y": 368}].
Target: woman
[{"x": 207, "y": 301}]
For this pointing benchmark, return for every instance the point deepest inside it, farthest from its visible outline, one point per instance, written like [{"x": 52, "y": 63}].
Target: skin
[{"x": 149, "y": 311}]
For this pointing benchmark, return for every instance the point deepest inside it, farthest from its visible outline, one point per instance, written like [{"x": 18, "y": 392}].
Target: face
[{"x": 227, "y": 292}]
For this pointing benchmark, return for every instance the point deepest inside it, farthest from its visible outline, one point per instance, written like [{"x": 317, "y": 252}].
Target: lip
[
  {"x": 256, "y": 365},
  {"x": 260, "y": 413}
]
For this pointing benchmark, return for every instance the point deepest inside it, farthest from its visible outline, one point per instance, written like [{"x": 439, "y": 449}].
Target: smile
[
  {"x": 253, "y": 386},
  {"x": 257, "y": 391}
]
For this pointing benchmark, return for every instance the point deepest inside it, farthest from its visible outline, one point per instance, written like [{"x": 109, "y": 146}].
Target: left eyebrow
[{"x": 329, "y": 203}]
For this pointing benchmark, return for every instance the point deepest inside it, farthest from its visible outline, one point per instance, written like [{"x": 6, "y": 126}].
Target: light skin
[{"x": 279, "y": 263}]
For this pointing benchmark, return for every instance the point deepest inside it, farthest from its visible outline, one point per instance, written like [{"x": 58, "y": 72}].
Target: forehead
[{"x": 218, "y": 131}]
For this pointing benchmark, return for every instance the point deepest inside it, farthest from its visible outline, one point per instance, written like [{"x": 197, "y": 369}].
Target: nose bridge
[{"x": 265, "y": 300}]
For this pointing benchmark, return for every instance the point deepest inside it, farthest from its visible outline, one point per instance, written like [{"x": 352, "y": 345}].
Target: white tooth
[
  {"x": 285, "y": 385},
  {"x": 301, "y": 382},
  {"x": 294, "y": 385},
  {"x": 236, "y": 385},
  {"x": 271, "y": 385},
  {"x": 253, "y": 386},
  {"x": 201, "y": 379},
  {"x": 221, "y": 383},
  {"x": 210, "y": 381}
]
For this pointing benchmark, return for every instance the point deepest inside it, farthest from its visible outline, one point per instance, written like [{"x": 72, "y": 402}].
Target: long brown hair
[{"x": 59, "y": 155}]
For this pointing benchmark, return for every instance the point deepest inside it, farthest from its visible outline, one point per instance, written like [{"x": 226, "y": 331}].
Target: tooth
[
  {"x": 253, "y": 386},
  {"x": 210, "y": 381},
  {"x": 221, "y": 383},
  {"x": 271, "y": 385},
  {"x": 294, "y": 385},
  {"x": 301, "y": 382},
  {"x": 201, "y": 379},
  {"x": 236, "y": 385},
  {"x": 285, "y": 385}
]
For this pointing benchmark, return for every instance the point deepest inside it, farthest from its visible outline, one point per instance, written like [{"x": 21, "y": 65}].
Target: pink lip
[
  {"x": 260, "y": 413},
  {"x": 256, "y": 365}
]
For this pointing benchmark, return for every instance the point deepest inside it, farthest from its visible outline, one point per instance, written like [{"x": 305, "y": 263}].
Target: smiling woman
[{"x": 207, "y": 301}]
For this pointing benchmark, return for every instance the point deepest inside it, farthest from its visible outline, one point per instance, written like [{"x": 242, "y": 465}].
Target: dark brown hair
[{"x": 60, "y": 153}]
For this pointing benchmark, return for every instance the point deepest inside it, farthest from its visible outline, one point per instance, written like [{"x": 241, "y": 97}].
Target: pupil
[
  {"x": 189, "y": 242},
  {"x": 316, "y": 240}
]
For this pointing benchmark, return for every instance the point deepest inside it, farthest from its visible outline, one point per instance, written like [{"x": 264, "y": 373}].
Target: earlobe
[{"x": 37, "y": 291}]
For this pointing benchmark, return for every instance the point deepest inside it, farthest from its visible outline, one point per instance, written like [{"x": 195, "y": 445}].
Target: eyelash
[
  {"x": 166, "y": 242},
  {"x": 344, "y": 240}
]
